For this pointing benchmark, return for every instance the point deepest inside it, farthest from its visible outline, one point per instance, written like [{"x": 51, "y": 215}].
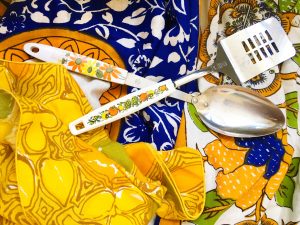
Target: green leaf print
[
  {"x": 294, "y": 167},
  {"x": 286, "y": 5},
  {"x": 214, "y": 207},
  {"x": 195, "y": 117},
  {"x": 6, "y": 104},
  {"x": 99, "y": 74},
  {"x": 284, "y": 195},
  {"x": 296, "y": 8},
  {"x": 272, "y": 5},
  {"x": 292, "y": 109},
  {"x": 296, "y": 58}
]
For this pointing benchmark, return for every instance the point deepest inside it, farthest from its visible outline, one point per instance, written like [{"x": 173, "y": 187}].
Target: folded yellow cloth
[{"x": 49, "y": 176}]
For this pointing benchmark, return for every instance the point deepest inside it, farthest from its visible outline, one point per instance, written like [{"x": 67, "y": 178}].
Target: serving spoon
[
  {"x": 227, "y": 109},
  {"x": 237, "y": 111}
]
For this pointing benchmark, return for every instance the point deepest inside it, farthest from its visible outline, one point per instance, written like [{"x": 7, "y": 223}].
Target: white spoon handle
[{"x": 122, "y": 107}]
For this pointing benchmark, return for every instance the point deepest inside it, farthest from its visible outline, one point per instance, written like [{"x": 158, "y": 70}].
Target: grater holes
[
  {"x": 245, "y": 46},
  {"x": 262, "y": 37},
  {"x": 256, "y": 40},
  {"x": 252, "y": 58},
  {"x": 257, "y": 55},
  {"x": 262, "y": 49},
  {"x": 251, "y": 43},
  {"x": 268, "y": 35},
  {"x": 269, "y": 49},
  {"x": 275, "y": 46}
]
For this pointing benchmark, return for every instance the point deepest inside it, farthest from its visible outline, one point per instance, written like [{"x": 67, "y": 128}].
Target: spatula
[
  {"x": 241, "y": 56},
  {"x": 251, "y": 51}
]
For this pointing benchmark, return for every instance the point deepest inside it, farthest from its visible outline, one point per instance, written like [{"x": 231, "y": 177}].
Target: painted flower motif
[
  {"x": 162, "y": 88},
  {"x": 104, "y": 115},
  {"x": 139, "y": 63},
  {"x": 251, "y": 167},
  {"x": 13, "y": 22},
  {"x": 136, "y": 126},
  {"x": 113, "y": 110},
  {"x": 175, "y": 35},
  {"x": 109, "y": 71},
  {"x": 90, "y": 67},
  {"x": 266, "y": 151},
  {"x": 144, "y": 97},
  {"x": 76, "y": 62},
  {"x": 126, "y": 105}
]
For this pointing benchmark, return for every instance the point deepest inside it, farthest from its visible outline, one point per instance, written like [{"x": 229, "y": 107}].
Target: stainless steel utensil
[
  {"x": 224, "y": 109},
  {"x": 229, "y": 110},
  {"x": 237, "y": 111},
  {"x": 251, "y": 51},
  {"x": 241, "y": 56}
]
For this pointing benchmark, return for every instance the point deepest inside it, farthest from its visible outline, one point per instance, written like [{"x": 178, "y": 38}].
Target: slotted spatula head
[{"x": 253, "y": 50}]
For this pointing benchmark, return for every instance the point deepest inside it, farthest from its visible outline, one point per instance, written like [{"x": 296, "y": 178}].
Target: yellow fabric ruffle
[{"x": 49, "y": 176}]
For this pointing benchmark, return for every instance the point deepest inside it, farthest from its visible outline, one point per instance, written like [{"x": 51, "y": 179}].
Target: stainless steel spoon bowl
[{"x": 237, "y": 111}]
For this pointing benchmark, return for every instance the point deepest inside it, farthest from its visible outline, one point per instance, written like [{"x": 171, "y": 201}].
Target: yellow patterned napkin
[{"x": 49, "y": 176}]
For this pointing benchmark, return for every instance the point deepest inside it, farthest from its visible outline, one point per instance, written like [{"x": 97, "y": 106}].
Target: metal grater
[{"x": 252, "y": 51}]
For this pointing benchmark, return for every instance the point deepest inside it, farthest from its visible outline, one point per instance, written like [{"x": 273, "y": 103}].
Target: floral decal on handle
[
  {"x": 93, "y": 68},
  {"x": 122, "y": 107},
  {"x": 75, "y": 62},
  {"x": 109, "y": 71}
]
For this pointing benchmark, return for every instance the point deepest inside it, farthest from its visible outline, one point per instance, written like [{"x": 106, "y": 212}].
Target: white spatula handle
[
  {"x": 122, "y": 107},
  {"x": 77, "y": 63}
]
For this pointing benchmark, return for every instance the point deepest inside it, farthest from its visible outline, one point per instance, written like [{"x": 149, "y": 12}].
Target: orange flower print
[
  {"x": 250, "y": 167},
  {"x": 113, "y": 110},
  {"x": 144, "y": 97},
  {"x": 76, "y": 62},
  {"x": 109, "y": 71}
]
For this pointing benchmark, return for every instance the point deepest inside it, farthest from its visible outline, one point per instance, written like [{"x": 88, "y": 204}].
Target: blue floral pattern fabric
[
  {"x": 155, "y": 38},
  {"x": 267, "y": 150}
]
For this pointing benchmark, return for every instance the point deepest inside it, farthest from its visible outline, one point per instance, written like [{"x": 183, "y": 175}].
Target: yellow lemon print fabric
[
  {"x": 12, "y": 50},
  {"x": 49, "y": 176}
]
